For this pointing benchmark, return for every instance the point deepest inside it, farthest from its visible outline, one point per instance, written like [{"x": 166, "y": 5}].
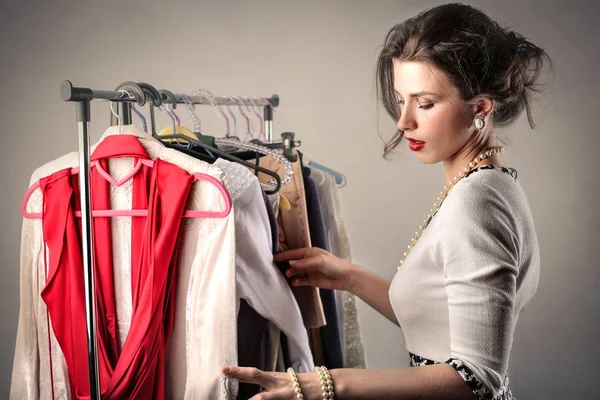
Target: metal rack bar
[{"x": 226, "y": 101}]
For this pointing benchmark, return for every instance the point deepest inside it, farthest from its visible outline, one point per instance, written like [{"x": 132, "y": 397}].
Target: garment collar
[{"x": 122, "y": 141}]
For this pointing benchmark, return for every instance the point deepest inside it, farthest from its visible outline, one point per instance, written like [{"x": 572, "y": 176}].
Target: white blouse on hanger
[{"x": 259, "y": 281}]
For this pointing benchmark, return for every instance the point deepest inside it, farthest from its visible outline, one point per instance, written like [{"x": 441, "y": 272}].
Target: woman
[{"x": 449, "y": 77}]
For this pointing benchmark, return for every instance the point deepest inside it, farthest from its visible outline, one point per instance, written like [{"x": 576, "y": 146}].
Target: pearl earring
[{"x": 479, "y": 122}]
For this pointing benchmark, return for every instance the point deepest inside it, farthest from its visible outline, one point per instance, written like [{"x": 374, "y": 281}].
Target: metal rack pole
[
  {"x": 83, "y": 97},
  {"x": 268, "y": 118},
  {"x": 87, "y": 244}
]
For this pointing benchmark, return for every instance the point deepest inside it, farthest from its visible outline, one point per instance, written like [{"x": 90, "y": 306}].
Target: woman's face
[{"x": 432, "y": 115}]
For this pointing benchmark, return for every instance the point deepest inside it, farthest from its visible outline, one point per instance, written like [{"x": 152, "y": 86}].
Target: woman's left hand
[{"x": 278, "y": 384}]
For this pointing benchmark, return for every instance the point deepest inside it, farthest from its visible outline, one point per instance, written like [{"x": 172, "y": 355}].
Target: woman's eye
[{"x": 426, "y": 106}]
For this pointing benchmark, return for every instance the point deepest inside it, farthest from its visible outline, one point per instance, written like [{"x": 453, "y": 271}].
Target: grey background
[{"x": 320, "y": 57}]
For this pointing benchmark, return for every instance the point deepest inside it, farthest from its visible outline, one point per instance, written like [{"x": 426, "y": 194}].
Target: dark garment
[
  {"x": 330, "y": 333},
  {"x": 252, "y": 327},
  {"x": 252, "y": 345},
  {"x": 478, "y": 388}
]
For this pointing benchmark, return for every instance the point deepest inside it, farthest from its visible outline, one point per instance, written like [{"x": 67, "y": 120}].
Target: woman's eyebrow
[{"x": 422, "y": 93}]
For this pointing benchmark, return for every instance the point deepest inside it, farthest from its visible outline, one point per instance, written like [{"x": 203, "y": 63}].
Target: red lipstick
[{"x": 415, "y": 145}]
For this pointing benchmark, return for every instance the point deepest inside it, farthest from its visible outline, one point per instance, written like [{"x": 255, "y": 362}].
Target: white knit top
[{"x": 460, "y": 291}]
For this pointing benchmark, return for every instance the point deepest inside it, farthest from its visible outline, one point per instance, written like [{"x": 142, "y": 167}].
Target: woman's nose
[{"x": 406, "y": 121}]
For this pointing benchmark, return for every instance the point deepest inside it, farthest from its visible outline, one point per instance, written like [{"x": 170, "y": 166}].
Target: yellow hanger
[
  {"x": 179, "y": 130},
  {"x": 284, "y": 203}
]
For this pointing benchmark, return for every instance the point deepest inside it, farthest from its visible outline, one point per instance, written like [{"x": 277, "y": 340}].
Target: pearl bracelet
[
  {"x": 326, "y": 382},
  {"x": 295, "y": 383}
]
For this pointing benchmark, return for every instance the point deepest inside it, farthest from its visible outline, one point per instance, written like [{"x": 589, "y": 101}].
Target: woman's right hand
[{"x": 312, "y": 266}]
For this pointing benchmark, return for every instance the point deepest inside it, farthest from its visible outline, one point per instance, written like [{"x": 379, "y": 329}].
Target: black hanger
[
  {"x": 286, "y": 145},
  {"x": 193, "y": 148},
  {"x": 155, "y": 100}
]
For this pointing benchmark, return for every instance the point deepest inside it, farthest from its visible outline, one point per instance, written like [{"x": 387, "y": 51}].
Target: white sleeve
[
  {"x": 209, "y": 298},
  {"x": 479, "y": 250},
  {"x": 260, "y": 282},
  {"x": 26, "y": 364}
]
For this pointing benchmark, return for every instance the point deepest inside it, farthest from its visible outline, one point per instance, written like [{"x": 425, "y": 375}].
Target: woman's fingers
[
  {"x": 298, "y": 254},
  {"x": 301, "y": 281},
  {"x": 295, "y": 272},
  {"x": 277, "y": 383},
  {"x": 289, "y": 255},
  {"x": 250, "y": 375},
  {"x": 310, "y": 263},
  {"x": 291, "y": 272}
]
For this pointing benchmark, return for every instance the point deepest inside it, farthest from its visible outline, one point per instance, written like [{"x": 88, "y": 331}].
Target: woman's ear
[{"x": 483, "y": 105}]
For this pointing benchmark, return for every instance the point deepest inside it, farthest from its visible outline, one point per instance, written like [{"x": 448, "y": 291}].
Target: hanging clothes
[
  {"x": 330, "y": 333},
  {"x": 259, "y": 281},
  {"x": 204, "y": 303},
  {"x": 339, "y": 242},
  {"x": 261, "y": 286}
]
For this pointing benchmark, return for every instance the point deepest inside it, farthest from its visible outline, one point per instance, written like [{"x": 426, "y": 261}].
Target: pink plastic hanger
[{"x": 135, "y": 213}]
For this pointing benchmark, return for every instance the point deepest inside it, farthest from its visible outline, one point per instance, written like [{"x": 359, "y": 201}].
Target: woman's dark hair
[{"x": 476, "y": 53}]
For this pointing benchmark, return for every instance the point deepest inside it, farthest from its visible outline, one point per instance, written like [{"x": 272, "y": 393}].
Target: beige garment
[
  {"x": 294, "y": 234},
  {"x": 204, "y": 335},
  {"x": 316, "y": 345}
]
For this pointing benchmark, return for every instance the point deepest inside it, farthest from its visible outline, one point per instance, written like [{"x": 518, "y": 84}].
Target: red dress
[{"x": 138, "y": 370}]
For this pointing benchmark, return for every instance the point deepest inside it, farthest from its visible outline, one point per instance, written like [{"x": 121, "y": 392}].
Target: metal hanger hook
[
  {"x": 232, "y": 115},
  {"x": 122, "y": 93},
  {"x": 240, "y": 102},
  {"x": 110, "y": 105},
  {"x": 125, "y": 92},
  {"x": 190, "y": 107},
  {"x": 260, "y": 119}
]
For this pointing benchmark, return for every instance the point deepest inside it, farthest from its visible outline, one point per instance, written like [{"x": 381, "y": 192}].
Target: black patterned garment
[
  {"x": 460, "y": 292},
  {"x": 470, "y": 378}
]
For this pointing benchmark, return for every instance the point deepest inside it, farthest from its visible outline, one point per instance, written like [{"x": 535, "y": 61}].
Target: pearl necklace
[{"x": 444, "y": 193}]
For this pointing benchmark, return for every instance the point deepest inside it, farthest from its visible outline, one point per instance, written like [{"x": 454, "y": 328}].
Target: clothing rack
[{"x": 140, "y": 94}]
